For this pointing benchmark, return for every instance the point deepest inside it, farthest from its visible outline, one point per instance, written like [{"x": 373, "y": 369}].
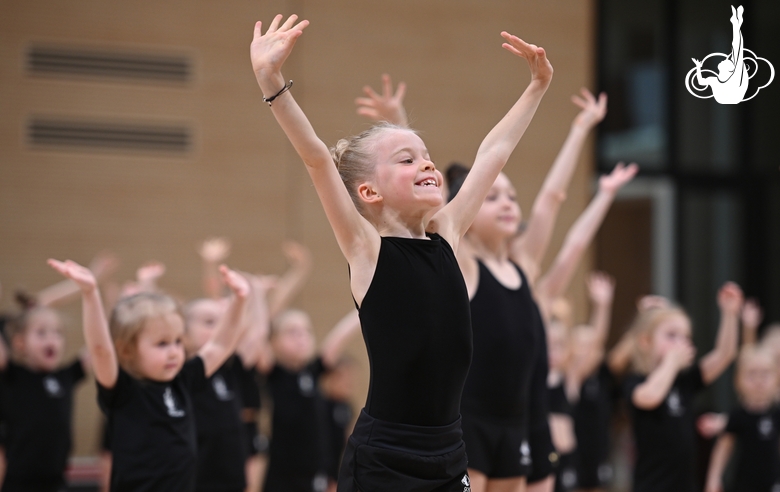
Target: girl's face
[
  {"x": 499, "y": 215},
  {"x": 42, "y": 342},
  {"x": 293, "y": 340},
  {"x": 757, "y": 381},
  {"x": 671, "y": 332},
  {"x": 160, "y": 348},
  {"x": 405, "y": 177},
  {"x": 202, "y": 319}
]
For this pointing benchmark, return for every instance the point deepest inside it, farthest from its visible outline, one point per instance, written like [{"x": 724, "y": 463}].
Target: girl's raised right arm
[
  {"x": 96, "y": 334},
  {"x": 355, "y": 235}
]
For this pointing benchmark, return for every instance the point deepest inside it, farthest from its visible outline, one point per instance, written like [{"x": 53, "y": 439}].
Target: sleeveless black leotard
[
  {"x": 417, "y": 328},
  {"x": 506, "y": 344}
]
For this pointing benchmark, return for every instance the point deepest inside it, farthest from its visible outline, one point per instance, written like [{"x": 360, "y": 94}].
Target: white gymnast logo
[
  {"x": 765, "y": 427},
  {"x": 170, "y": 404},
  {"x": 730, "y": 84},
  {"x": 52, "y": 386}
]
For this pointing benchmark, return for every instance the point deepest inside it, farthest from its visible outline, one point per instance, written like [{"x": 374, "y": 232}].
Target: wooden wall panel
[{"x": 241, "y": 178}]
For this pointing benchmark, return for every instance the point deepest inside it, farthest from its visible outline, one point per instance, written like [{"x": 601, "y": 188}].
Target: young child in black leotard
[
  {"x": 144, "y": 384},
  {"x": 753, "y": 426},
  {"x": 37, "y": 401},
  {"x": 218, "y": 405},
  {"x": 400, "y": 244},
  {"x": 660, "y": 394},
  {"x": 298, "y": 457},
  {"x": 509, "y": 340}
]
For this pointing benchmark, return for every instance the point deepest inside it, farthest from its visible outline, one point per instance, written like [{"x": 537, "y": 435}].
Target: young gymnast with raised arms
[
  {"x": 144, "y": 383},
  {"x": 509, "y": 338},
  {"x": 400, "y": 244}
]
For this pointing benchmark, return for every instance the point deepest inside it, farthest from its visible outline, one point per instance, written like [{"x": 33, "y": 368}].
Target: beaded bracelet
[{"x": 286, "y": 88}]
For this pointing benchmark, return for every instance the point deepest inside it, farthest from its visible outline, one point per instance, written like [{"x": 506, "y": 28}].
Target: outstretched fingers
[{"x": 235, "y": 281}]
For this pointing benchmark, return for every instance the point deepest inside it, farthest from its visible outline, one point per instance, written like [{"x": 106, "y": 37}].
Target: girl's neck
[
  {"x": 395, "y": 225},
  {"x": 757, "y": 405},
  {"x": 490, "y": 249}
]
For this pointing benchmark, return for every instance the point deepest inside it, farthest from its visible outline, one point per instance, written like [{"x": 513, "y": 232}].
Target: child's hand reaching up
[
  {"x": 215, "y": 249},
  {"x": 270, "y": 50},
  {"x": 619, "y": 176},
  {"x": 730, "y": 299},
  {"x": 593, "y": 110},
  {"x": 83, "y": 276},
  {"x": 386, "y": 107},
  {"x": 237, "y": 283},
  {"x": 601, "y": 288},
  {"x": 541, "y": 69}
]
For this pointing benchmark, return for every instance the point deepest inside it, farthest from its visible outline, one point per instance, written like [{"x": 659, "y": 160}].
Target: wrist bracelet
[{"x": 286, "y": 88}]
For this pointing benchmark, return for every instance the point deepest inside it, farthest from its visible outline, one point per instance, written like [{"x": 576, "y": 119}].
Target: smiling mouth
[{"x": 428, "y": 182}]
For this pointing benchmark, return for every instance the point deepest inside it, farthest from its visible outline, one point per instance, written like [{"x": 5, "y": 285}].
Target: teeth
[{"x": 428, "y": 182}]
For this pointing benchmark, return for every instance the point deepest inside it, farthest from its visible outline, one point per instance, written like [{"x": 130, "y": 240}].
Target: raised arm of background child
[
  {"x": 103, "y": 265},
  {"x": 148, "y": 274},
  {"x": 256, "y": 320},
  {"x": 718, "y": 461},
  {"x": 529, "y": 248},
  {"x": 456, "y": 217},
  {"x": 336, "y": 340},
  {"x": 223, "y": 343},
  {"x": 213, "y": 251},
  {"x": 653, "y": 391},
  {"x": 557, "y": 279},
  {"x": 291, "y": 283},
  {"x": 96, "y": 334},
  {"x": 730, "y": 302},
  {"x": 601, "y": 289},
  {"x": 357, "y": 238},
  {"x": 752, "y": 315},
  {"x": 389, "y": 106}
]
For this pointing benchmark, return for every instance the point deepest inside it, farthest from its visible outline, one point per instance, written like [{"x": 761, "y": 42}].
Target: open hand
[
  {"x": 601, "y": 288},
  {"x": 540, "y": 66},
  {"x": 730, "y": 298},
  {"x": 104, "y": 264},
  {"x": 296, "y": 253},
  {"x": 215, "y": 249},
  {"x": 149, "y": 272},
  {"x": 237, "y": 283},
  {"x": 752, "y": 315},
  {"x": 82, "y": 275},
  {"x": 619, "y": 176},
  {"x": 269, "y": 51},
  {"x": 593, "y": 110},
  {"x": 388, "y": 106}
]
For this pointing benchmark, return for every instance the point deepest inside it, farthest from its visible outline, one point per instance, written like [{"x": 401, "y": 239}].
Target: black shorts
[
  {"x": 28, "y": 483},
  {"x": 387, "y": 456},
  {"x": 566, "y": 475},
  {"x": 544, "y": 459},
  {"x": 592, "y": 473},
  {"x": 294, "y": 481},
  {"x": 497, "y": 450}
]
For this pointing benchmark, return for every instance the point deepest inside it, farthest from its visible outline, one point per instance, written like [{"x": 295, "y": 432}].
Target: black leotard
[
  {"x": 417, "y": 328},
  {"x": 506, "y": 343}
]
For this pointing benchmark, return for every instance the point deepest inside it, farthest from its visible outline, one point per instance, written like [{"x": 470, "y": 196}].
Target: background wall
[{"x": 239, "y": 177}]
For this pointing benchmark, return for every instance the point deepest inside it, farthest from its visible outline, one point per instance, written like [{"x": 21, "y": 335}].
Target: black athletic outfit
[
  {"x": 339, "y": 415},
  {"x": 566, "y": 472},
  {"x": 757, "y": 438},
  {"x": 37, "y": 407},
  {"x": 220, "y": 431},
  {"x": 297, "y": 454},
  {"x": 665, "y": 436},
  {"x": 416, "y": 325},
  {"x": 592, "y": 419},
  {"x": 249, "y": 387},
  {"x": 544, "y": 459},
  {"x": 152, "y": 426},
  {"x": 496, "y": 396}
]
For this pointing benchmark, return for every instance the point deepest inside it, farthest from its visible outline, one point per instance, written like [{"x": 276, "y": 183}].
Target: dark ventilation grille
[
  {"x": 96, "y": 135},
  {"x": 107, "y": 64}
]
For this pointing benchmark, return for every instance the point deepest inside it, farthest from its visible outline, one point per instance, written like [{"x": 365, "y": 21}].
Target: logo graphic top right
[{"x": 730, "y": 84}]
